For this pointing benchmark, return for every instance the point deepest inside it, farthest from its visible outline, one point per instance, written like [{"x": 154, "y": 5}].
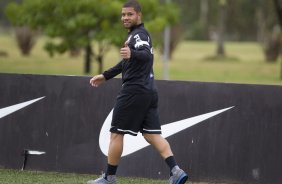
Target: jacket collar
[{"x": 135, "y": 27}]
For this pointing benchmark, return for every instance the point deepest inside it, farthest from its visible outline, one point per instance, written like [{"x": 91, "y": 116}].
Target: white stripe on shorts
[
  {"x": 151, "y": 130},
  {"x": 127, "y": 131}
]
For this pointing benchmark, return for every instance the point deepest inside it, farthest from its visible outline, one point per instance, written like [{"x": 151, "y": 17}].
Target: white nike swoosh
[
  {"x": 9, "y": 110},
  {"x": 135, "y": 143}
]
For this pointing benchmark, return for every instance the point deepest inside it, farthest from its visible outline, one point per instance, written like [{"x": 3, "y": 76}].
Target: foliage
[
  {"x": 242, "y": 17},
  {"x": 242, "y": 21},
  {"x": 73, "y": 24},
  {"x": 3, "y": 19}
]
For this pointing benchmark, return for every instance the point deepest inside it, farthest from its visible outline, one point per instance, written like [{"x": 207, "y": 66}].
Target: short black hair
[{"x": 133, "y": 4}]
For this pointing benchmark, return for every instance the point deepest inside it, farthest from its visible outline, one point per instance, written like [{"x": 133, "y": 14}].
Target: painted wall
[{"x": 240, "y": 144}]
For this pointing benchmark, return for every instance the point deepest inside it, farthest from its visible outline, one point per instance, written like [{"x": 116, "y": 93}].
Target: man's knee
[
  {"x": 150, "y": 138},
  {"x": 116, "y": 137}
]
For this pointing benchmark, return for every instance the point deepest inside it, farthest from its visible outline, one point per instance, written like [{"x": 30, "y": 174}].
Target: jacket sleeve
[
  {"x": 141, "y": 47},
  {"x": 114, "y": 71}
]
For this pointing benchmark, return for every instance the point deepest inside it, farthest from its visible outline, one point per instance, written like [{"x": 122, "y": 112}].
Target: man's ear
[{"x": 139, "y": 16}]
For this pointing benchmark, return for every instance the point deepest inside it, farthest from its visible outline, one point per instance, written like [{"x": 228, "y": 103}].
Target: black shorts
[{"x": 135, "y": 113}]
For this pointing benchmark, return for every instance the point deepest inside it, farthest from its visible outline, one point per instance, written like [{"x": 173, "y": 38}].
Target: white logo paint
[
  {"x": 9, "y": 110},
  {"x": 140, "y": 42},
  {"x": 135, "y": 143}
]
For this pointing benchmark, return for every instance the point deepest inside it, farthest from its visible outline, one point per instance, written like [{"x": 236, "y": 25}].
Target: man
[{"x": 136, "y": 108}]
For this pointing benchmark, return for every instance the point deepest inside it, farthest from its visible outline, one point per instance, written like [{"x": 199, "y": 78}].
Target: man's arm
[
  {"x": 97, "y": 80},
  {"x": 108, "y": 74},
  {"x": 140, "y": 55},
  {"x": 114, "y": 71},
  {"x": 141, "y": 50}
]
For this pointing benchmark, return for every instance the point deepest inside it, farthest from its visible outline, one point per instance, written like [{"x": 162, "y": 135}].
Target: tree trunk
[
  {"x": 88, "y": 56},
  {"x": 25, "y": 39},
  {"x": 100, "y": 64},
  {"x": 281, "y": 70},
  {"x": 273, "y": 45},
  {"x": 221, "y": 28},
  {"x": 262, "y": 30},
  {"x": 278, "y": 9},
  {"x": 270, "y": 40},
  {"x": 204, "y": 12}
]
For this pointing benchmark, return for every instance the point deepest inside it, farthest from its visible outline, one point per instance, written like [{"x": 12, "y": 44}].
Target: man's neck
[{"x": 136, "y": 25}]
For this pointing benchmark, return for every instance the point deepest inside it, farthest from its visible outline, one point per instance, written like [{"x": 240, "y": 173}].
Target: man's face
[{"x": 130, "y": 17}]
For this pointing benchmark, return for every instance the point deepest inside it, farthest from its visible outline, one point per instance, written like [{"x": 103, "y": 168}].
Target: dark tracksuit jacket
[{"x": 137, "y": 72}]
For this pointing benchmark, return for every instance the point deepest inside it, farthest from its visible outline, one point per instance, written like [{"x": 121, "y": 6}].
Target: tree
[
  {"x": 72, "y": 24},
  {"x": 278, "y": 8},
  {"x": 204, "y": 12},
  {"x": 221, "y": 28},
  {"x": 69, "y": 24},
  {"x": 3, "y": 19}
]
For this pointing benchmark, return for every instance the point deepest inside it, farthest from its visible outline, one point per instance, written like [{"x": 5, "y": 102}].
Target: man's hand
[
  {"x": 97, "y": 80},
  {"x": 125, "y": 52}
]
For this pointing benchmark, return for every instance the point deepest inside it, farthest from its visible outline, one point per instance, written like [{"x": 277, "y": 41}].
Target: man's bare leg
[
  {"x": 162, "y": 146},
  {"x": 115, "y": 148},
  {"x": 114, "y": 155}
]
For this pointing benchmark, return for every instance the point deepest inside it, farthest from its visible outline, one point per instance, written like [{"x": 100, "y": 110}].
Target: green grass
[
  {"x": 190, "y": 62},
  {"x": 37, "y": 177},
  {"x": 244, "y": 64}
]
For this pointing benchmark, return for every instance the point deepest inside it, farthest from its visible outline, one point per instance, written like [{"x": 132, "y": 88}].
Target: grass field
[
  {"x": 35, "y": 177},
  {"x": 244, "y": 64}
]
